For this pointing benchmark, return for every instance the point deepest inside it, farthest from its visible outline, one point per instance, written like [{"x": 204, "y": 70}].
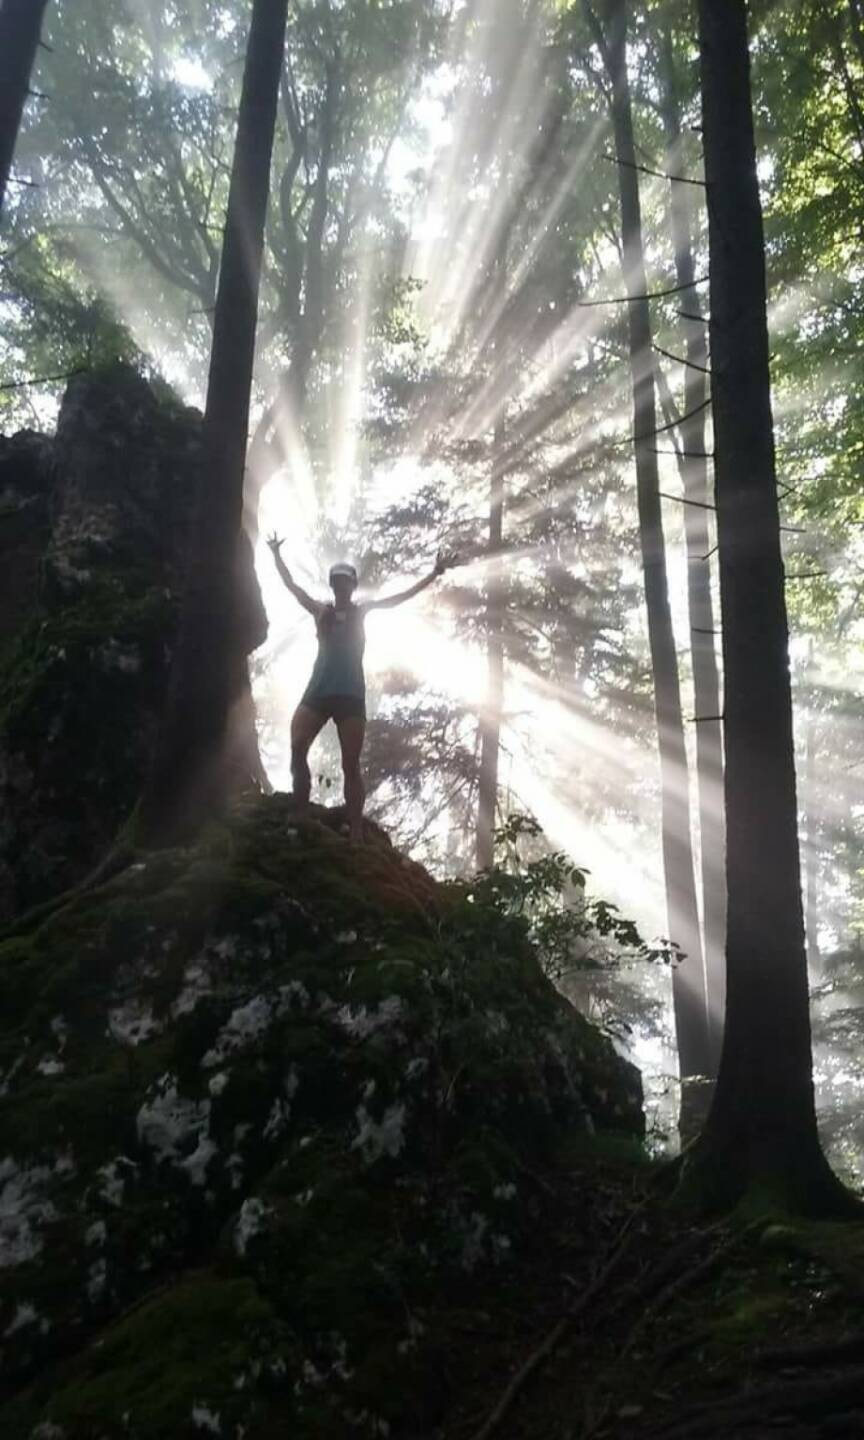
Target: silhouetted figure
[{"x": 337, "y": 689}]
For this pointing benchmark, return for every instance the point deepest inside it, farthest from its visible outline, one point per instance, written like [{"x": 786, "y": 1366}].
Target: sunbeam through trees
[{"x": 431, "y": 700}]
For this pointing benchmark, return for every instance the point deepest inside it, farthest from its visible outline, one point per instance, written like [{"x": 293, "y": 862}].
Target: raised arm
[
  {"x": 287, "y": 579},
  {"x": 442, "y": 563}
]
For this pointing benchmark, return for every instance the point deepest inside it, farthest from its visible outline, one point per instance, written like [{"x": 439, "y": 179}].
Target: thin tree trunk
[
  {"x": 490, "y": 720},
  {"x": 760, "y": 1139},
  {"x": 694, "y": 475},
  {"x": 811, "y": 830},
  {"x": 191, "y": 778},
  {"x": 689, "y": 995},
  {"x": 814, "y": 958},
  {"x": 20, "y": 29}
]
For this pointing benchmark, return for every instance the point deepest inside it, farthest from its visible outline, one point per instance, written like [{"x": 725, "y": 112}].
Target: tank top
[{"x": 339, "y": 664}]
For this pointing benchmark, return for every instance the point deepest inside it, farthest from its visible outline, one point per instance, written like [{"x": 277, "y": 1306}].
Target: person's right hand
[
  {"x": 275, "y": 544},
  {"x": 445, "y": 560}
]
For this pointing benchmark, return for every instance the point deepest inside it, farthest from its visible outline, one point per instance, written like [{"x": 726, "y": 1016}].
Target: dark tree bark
[
  {"x": 192, "y": 774},
  {"x": 20, "y": 29},
  {"x": 760, "y": 1139},
  {"x": 697, "y": 495},
  {"x": 683, "y": 916},
  {"x": 280, "y": 428}
]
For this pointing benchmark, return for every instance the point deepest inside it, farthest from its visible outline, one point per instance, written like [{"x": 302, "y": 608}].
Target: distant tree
[
  {"x": 191, "y": 774},
  {"x": 609, "y": 33},
  {"x": 690, "y": 445},
  {"x": 760, "y": 1137},
  {"x": 20, "y": 29},
  {"x": 491, "y": 714}
]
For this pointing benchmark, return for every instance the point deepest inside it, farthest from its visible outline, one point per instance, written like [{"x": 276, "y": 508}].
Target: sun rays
[{"x": 476, "y": 185}]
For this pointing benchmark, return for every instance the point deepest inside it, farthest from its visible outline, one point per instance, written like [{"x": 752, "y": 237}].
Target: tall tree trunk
[
  {"x": 811, "y": 864},
  {"x": 760, "y": 1139},
  {"x": 20, "y": 29},
  {"x": 683, "y": 915},
  {"x": 191, "y": 777},
  {"x": 490, "y": 719},
  {"x": 694, "y": 474}
]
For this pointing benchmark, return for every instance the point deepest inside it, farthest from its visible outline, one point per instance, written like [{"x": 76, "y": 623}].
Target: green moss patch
[{"x": 250, "y": 1065}]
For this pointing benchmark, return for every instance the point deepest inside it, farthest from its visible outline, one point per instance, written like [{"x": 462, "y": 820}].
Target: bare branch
[
  {"x": 673, "y": 424},
  {"x": 42, "y": 379},
  {"x": 658, "y": 174},
  {"x": 681, "y": 500},
  {"x": 681, "y": 360},
  {"x": 651, "y": 295}
]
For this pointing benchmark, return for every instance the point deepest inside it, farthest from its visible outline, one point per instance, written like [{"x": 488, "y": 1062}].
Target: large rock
[
  {"x": 265, "y": 1104},
  {"x": 94, "y": 528}
]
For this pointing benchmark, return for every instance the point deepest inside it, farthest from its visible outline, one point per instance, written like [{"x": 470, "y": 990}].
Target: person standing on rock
[{"x": 337, "y": 689}]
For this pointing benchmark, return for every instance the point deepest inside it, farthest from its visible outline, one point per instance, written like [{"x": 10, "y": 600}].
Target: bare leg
[
  {"x": 352, "y": 731},
  {"x": 306, "y": 723}
]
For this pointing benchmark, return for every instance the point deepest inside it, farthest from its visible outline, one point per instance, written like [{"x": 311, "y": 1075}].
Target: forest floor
[{"x": 629, "y": 1323}]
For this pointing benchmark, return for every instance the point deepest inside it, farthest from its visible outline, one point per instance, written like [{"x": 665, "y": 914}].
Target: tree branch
[
  {"x": 681, "y": 360},
  {"x": 43, "y": 379},
  {"x": 651, "y": 295},
  {"x": 657, "y": 174}
]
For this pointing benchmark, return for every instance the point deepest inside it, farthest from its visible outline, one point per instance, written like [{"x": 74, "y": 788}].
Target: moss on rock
[
  {"x": 93, "y": 534},
  {"x": 274, "y": 1095}
]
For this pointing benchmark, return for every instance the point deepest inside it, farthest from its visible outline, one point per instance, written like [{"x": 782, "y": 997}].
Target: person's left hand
[{"x": 275, "y": 544}]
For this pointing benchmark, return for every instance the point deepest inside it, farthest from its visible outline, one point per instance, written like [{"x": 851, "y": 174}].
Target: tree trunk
[
  {"x": 760, "y": 1140},
  {"x": 490, "y": 719},
  {"x": 191, "y": 778},
  {"x": 697, "y": 495},
  {"x": 811, "y": 866},
  {"x": 20, "y": 29},
  {"x": 683, "y": 915}
]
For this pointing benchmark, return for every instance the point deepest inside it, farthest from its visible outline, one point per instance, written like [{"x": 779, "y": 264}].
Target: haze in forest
[{"x": 442, "y": 350}]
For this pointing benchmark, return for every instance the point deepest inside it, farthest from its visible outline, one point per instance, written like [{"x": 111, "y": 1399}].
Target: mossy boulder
[
  {"x": 264, "y": 1103},
  {"x": 94, "y": 528}
]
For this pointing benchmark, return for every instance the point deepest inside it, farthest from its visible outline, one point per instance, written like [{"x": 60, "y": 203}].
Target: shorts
[{"x": 336, "y": 707}]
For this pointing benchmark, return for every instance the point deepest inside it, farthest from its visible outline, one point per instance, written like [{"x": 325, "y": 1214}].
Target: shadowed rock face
[
  {"x": 266, "y": 1106},
  {"x": 26, "y": 487},
  {"x": 93, "y": 536}
]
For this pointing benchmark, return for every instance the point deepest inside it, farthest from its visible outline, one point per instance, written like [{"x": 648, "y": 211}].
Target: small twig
[
  {"x": 688, "y": 454},
  {"x": 42, "y": 379},
  {"x": 704, "y": 719},
  {"x": 688, "y": 315},
  {"x": 683, "y": 1282},
  {"x": 552, "y": 1339}
]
